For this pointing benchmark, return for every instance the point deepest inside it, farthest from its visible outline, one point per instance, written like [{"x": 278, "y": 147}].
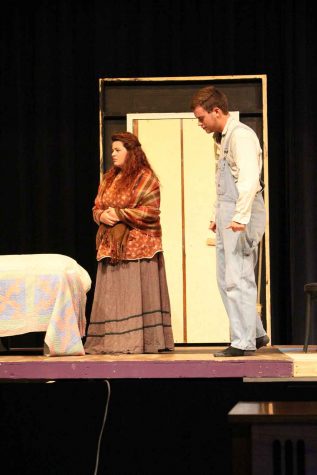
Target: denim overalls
[{"x": 237, "y": 256}]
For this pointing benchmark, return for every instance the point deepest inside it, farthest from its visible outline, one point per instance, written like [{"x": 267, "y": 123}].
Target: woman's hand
[{"x": 109, "y": 216}]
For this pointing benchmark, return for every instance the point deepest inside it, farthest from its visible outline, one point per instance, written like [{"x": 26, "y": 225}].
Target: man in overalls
[{"x": 238, "y": 221}]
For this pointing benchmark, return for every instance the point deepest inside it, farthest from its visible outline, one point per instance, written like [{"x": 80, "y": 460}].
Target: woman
[{"x": 131, "y": 308}]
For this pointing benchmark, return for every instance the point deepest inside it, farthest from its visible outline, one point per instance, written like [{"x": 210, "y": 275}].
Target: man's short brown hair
[{"x": 208, "y": 98}]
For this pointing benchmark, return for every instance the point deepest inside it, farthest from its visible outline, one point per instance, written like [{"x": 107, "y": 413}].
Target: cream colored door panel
[
  {"x": 206, "y": 316},
  {"x": 161, "y": 141}
]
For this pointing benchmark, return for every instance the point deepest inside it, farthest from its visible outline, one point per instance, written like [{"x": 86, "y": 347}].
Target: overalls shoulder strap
[{"x": 240, "y": 125}]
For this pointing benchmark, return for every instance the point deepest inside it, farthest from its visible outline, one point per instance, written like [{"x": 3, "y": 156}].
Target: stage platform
[{"x": 276, "y": 363}]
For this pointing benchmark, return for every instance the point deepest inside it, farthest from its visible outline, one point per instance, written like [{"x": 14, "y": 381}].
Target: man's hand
[
  {"x": 212, "y": 226},
  {"x": 236, "y": 226}
]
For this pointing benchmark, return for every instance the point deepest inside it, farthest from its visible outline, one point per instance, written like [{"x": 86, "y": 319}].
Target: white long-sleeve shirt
[{"x": 245, "y": 161}]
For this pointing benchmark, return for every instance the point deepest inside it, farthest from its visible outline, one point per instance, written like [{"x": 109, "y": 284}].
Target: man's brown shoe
[{"x": 232, "y": 352}]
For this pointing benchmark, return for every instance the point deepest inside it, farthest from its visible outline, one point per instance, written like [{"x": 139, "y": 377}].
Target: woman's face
[{"x": 119, "y": 154}]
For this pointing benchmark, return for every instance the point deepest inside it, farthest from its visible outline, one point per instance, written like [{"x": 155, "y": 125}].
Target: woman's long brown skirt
[{"x": 131, "y": 308}]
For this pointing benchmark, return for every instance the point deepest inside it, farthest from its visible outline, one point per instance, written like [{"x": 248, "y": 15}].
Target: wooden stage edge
[{"x": 274, "y": 363}]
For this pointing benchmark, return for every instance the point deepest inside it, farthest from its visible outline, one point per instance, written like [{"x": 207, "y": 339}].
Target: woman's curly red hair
[{"x": 135, "y": 161}]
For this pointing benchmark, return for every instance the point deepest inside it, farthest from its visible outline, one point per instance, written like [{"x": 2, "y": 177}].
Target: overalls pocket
[{"x": 255, "y": 228}]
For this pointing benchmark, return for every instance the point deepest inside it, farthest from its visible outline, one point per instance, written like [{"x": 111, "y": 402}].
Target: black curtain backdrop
[{"x": 52, "y": 55}]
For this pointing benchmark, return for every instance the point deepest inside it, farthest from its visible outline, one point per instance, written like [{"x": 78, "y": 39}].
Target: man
[{"x": 238, "y": 221}]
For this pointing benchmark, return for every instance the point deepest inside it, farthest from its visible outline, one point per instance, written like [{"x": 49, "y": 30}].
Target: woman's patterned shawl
[{"x": 142, "y": 210}]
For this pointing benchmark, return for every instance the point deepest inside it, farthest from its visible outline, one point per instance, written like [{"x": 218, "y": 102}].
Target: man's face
[{"x": 207, "y": 120}]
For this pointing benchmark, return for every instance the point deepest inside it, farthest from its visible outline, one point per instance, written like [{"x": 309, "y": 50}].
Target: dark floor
[{"x": 153, "y": 427}]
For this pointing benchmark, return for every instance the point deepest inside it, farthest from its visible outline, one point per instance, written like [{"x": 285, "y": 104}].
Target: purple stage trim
[{"x": 54, "y": 370}]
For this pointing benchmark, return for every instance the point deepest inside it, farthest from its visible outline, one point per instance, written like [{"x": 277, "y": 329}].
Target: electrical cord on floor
[{"x": 102, "y": 427}]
